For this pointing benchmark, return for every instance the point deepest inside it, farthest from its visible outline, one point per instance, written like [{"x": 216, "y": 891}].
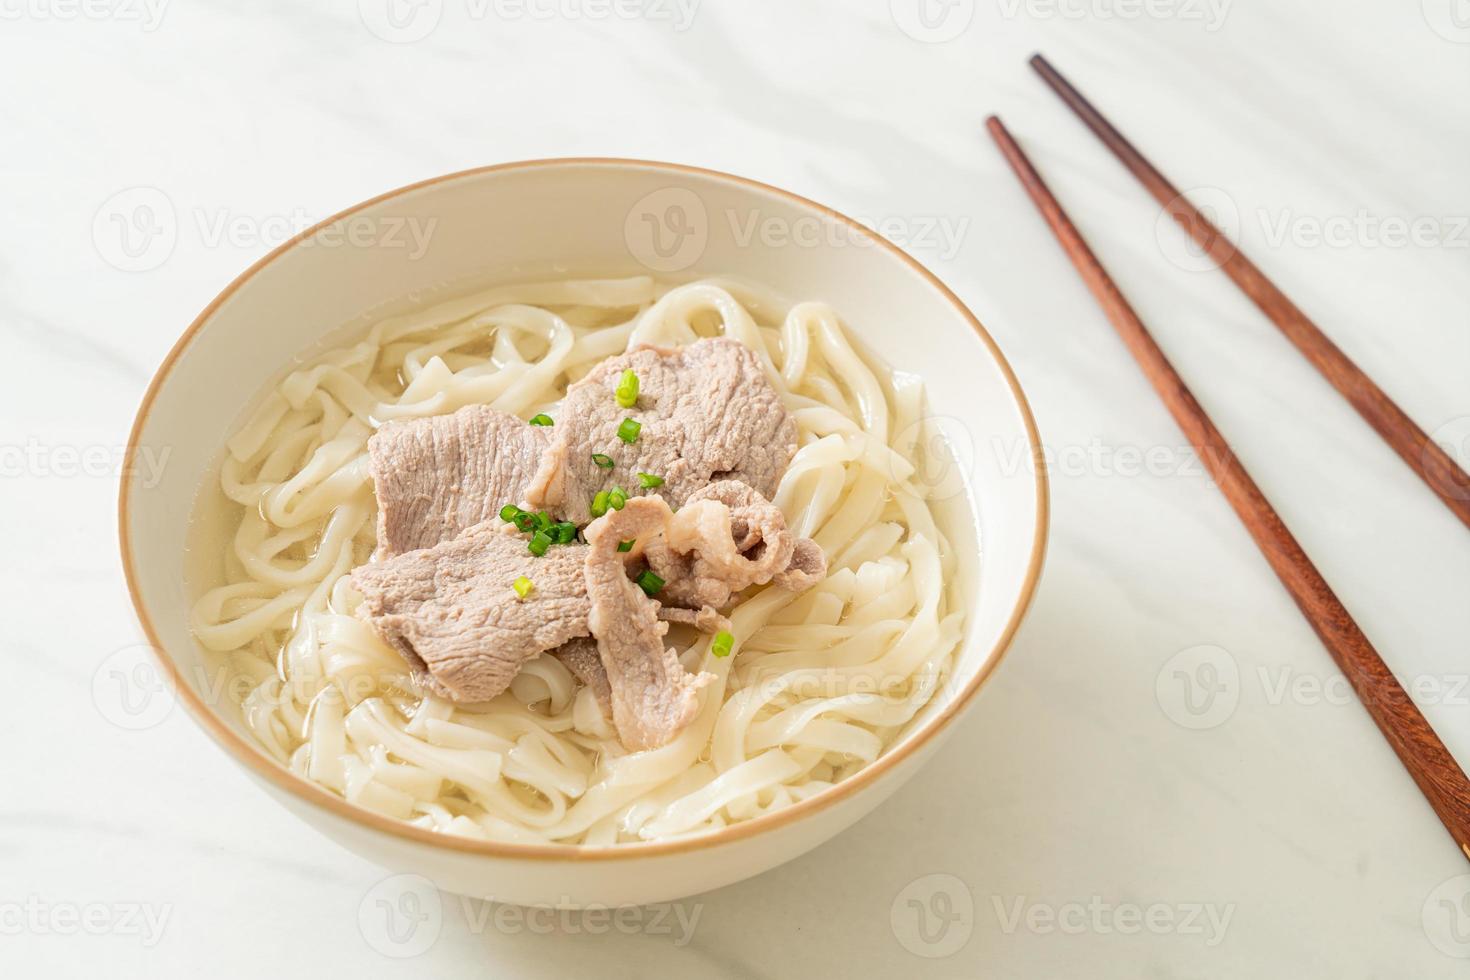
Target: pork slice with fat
[{"x": 726, "y": 538}]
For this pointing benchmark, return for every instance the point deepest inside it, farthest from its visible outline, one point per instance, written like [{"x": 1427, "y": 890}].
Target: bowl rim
[{"x": 318, "y": 796}]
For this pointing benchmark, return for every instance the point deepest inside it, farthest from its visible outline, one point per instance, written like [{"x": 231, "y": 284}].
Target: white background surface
[{"x": 1075, "y": 789}]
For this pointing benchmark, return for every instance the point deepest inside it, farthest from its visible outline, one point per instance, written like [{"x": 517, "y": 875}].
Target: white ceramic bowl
[{"x": 588, "y": 216}]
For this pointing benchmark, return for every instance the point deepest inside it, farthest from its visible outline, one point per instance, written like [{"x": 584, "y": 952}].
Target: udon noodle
[{"x": 821, "y": 683}]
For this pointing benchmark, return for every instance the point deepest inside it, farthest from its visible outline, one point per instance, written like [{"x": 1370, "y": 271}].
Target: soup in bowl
[{"x": 542, "y": 530}]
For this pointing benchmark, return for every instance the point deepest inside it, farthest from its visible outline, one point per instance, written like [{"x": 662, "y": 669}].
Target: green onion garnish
[
  {"x": 599, "y": 503},
  {"x": 563, "y": 533},
  {"x": 616, "y": 498},
  {"x": 649, "y": 582},
  {"x": 722, "y": 644},
  {"x": 627, "y": 390},
  {"x": 603, "y": 460},
  {"x": 625, "y": 545},
  {"x": 509, "y": 512},
  {"x": 543, "y": 520},
  {"x": 524, "y": 521},
  {"x": 540, "y": 541},
  {"x": 648, "y": 481},
  {"x": 522, "y": 586},
  {"x": 628, "y": 430},
  {"x": 542, "y": 419}
]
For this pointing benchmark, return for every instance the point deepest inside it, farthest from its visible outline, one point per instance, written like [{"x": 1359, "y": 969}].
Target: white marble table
[{"x": 1095, "y": 816}]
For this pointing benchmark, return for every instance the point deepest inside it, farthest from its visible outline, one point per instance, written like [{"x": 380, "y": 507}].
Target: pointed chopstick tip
[{"x": 1009, "y": 148}]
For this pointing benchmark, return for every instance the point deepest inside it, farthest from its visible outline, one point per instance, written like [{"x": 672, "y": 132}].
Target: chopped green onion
[
  {"x": 722, "y": 644},
  {"x": 649, "y": 582},
  {"x": 509, "y": 512},
  {"x": 524, "y": 521},
  {"x": 616, "y": 498},
  {"x": 626, "y": 545},
  {"x": 628, "y": 430},
  {"x": 627, "y": 389},
  {"x": 648, "y": 481},
  {"x": 564, "y": 532},
  {"x": 603, "y": 460},
  {"x": 540, "y": 541},
  {"x": 542, "y": 419},
  {"x": 543, "y": 520},
  {"x": 522, "y": 586},
  {"x": 599, "y": 503}
]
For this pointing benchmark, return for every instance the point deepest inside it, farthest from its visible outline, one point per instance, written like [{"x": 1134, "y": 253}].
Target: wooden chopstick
[
  {"x": 1439, "y": 777},
  {"x": 1424, "y": 456}
]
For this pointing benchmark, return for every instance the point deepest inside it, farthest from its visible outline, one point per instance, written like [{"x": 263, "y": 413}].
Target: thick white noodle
[{"x": 821, "y": 684}]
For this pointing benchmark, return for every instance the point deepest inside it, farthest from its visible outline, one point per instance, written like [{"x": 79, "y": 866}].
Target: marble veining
[{"x": 1099, "y": 781}]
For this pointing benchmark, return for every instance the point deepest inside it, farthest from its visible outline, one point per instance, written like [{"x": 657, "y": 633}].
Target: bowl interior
[{"x": 587, "y": 217}]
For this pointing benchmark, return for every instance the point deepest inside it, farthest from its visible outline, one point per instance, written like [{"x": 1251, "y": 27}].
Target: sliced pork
[
  {"x": 706, "y": 619},
  {"x": 438, "y": 476},
  {"x": 712, "y": 437},
  {"x": 452, "y": 613},
  {"x": 808, "y": 567},
  {"x": 726, "y": 538},
  {"x": 706, "y": 413},
  {"x": 451, "y": 610},
  {"x": 580, "y": 656},
  {"x": 653, "y": 697}
]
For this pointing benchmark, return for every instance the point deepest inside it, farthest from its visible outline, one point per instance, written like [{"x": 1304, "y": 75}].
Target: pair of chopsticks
[{"x": 1436, "y": 772}]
